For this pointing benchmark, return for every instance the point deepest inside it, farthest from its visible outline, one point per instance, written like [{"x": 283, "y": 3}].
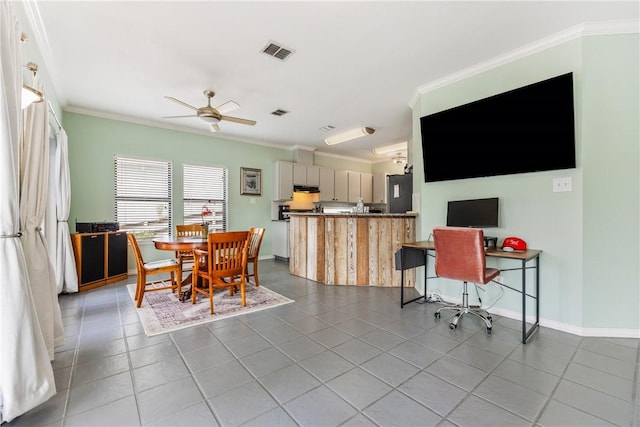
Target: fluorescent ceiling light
[
  {"x": 30, "y": 95},
  {"x": 349, "y": 135},
  {"x": 390, "y": 149}
]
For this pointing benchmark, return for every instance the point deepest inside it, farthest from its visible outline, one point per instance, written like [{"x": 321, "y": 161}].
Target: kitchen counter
[
  {"x": 349, "y": 248},
  {"x": 352, "y": 214}
]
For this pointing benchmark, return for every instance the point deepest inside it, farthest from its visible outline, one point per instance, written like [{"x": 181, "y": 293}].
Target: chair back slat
[
  {"x": 227, "y": 253},
  {"x": 255, "y": 240}
]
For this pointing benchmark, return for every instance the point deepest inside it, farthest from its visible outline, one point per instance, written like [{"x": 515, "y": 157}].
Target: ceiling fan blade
[
  {"x": 215, "y": 127},
  {"x": 238, "y": 120},
  {"x": 181, "y": 103},
  {"x": 179, "y": 117}
]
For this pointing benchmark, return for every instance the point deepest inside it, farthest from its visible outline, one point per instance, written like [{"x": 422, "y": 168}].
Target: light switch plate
[
  {"x": 562, "y": 184},
  {"x": 252, "y": 201}
]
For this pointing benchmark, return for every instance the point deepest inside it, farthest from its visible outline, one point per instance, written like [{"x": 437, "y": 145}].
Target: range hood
[{"x": 310, "y": 189}]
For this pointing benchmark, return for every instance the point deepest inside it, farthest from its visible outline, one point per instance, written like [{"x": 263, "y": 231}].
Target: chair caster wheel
[
  {"x": 490, "y": 318},
  {"x": 436, "y": 315},
  {"x": 488, "y": 331},
  {"x": 452, "y": 326}
]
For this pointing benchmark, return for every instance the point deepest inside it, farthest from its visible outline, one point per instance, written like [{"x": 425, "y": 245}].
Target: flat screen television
[
  {"x": 481, "y": 213},
  {"x": 529, "y": 129}
]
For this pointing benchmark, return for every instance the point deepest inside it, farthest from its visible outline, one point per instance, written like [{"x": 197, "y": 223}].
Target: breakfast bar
[{"x": 350, "y": 249}]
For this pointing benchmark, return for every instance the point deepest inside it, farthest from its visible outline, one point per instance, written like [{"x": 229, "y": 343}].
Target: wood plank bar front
[{"x": 345, "y": 249}]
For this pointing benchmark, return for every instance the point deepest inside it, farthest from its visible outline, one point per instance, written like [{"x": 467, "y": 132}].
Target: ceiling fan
[{"x": 208, "y": 114}]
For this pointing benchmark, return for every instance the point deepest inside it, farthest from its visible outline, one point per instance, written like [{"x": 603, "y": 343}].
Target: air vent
[
  {"x": 279, "y": 112},
  {"x": 327, "y": 128},
  {"x": 277, "y": 51}
]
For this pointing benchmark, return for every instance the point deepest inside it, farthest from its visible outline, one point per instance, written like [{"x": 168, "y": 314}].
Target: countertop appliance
[
  {"x": 283, "y": 212},
  {"x": 399, "y": 192}
]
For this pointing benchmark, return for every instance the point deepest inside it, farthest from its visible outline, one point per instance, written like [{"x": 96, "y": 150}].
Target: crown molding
[
  {"x": 585, "y": 29},
  {"x": 339, "y": 156}
]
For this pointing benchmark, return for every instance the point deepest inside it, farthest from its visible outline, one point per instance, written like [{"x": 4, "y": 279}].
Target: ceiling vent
[
  {"x": 279, "y": 112},
  {"x": 272, "y": 49}
]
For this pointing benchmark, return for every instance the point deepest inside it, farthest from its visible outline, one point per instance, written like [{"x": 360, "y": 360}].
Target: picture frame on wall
[{"x": 251, "y": 181}]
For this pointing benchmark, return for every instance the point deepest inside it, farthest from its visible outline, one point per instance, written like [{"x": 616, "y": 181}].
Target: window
[
  {"x": 205, "y": 187},
  {"x": 143, "y": 196}
]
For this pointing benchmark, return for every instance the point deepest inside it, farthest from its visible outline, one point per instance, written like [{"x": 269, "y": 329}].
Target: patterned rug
[{"x": 161, "y": 312}]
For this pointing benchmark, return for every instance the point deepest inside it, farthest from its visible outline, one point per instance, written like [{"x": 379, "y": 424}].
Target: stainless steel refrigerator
[{"x": 399, "y": 191}]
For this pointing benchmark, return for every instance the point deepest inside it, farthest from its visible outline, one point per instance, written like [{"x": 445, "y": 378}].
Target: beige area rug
[{"x": 161, "y": 312}]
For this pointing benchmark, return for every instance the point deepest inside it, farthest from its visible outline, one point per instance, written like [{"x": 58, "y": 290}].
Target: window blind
[
  {"x": 143, "y": 196},
  {"x": 205, "y": 187}
]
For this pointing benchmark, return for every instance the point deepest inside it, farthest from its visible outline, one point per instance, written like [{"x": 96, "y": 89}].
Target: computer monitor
[{"x": 481, "y": 213}]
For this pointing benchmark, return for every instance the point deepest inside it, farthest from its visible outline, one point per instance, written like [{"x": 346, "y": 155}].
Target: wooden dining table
[{"x": 174, "y": 243}]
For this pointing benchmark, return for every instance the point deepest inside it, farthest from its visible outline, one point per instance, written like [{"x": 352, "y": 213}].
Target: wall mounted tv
[{"x": 529, "y": 129}]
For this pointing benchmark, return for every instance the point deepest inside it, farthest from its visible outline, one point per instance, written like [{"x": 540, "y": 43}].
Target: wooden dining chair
[
  {"x": 255, "y": 240},
  {"x": 223, "y": 265},
  {"x": 187, "y": 230},
  {"x": 145, "y": 269}
]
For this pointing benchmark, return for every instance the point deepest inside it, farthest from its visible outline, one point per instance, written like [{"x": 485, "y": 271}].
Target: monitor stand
[{"x": 490, "y": 242}]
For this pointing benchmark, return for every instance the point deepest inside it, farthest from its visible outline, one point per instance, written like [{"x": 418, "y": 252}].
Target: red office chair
[{"x": 460, "y": 255}]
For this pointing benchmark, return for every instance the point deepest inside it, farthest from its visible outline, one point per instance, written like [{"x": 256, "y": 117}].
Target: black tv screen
[
  {"x": 482, "y": 213},
  {"x": 529, "y": 129}
]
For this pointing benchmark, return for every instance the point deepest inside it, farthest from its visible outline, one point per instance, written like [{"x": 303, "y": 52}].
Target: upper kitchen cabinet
[
  {"x": 307, "y": 175},
  {"x": 360, "y": 185},
  {"x": 340, "y": 187},
  {"x": 379, "y": 188},
  {"x": 366, "y": 187},
  {"x": 283, "y": 180},
  {"x": 326, "y": 185}
]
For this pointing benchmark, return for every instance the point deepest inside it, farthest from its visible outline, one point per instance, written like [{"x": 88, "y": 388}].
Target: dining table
[{"x": 174, "y": 243}]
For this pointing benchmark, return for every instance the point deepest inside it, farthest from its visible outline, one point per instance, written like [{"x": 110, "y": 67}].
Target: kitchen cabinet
[
  {"x": 313, "y": 175},
  {"x": 299, "y": 174},
  {"x": 326, "y": 184},
  {"x": 379, "y": 183},
  {"x": 360, "y": 184},
  {"x": 307, "y": 175},
  {"x": 283, "y": 180},
  {"x": 353, "y": 180},
  {"x": 101, "y": 258},
  {"x": 280, "y": 240},
  {"x": 340, "y": 187},
  {"x": 366, "y": 187}
]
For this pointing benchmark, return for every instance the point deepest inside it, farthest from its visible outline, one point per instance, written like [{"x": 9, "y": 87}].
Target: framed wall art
[{"x": 251, "y": 181}]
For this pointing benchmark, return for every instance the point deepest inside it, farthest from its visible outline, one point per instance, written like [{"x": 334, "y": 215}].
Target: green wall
[
  {"x": 94, "y": 142},
  {"x": 584, "y": 283}
]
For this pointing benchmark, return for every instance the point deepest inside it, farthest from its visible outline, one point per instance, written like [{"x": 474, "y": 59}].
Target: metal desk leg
[{"x": 524, "y": 303}]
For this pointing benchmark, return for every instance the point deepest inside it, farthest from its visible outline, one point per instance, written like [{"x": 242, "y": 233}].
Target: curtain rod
[{"x": 55, "y": 116}]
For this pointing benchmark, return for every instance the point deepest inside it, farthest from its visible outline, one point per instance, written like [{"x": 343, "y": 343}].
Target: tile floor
[{"x": 345, "y": 356}]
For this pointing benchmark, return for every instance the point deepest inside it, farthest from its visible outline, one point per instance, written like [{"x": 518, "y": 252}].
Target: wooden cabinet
[
  {"x": 283, "y": 181},
  {"x": 360, "y": 184},
  {"x": 313, "y": 175},
  {"x": 327, "y": 182},
  {"x": 366, "y": 187},
  {"x": 340, "y": 187},
  {"x": 101, "y": 258},
  {"x": 379, "y": 182},
  {"x": 299, "y": 174}
]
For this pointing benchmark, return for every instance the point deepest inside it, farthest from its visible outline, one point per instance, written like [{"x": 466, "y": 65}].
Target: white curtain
[
  {"x": 26, "y": 375},
  {"x": 59, "y": 237},
  {"x": 34, "y": 177}
]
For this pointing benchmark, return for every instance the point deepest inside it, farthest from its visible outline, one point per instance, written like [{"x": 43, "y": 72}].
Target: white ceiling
[{"x": 355, "y": 63}]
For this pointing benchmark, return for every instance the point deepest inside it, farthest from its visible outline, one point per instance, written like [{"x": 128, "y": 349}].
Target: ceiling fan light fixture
[
  {"x": 208, "y": 119},
  {"x": 349, "y": 135}
]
